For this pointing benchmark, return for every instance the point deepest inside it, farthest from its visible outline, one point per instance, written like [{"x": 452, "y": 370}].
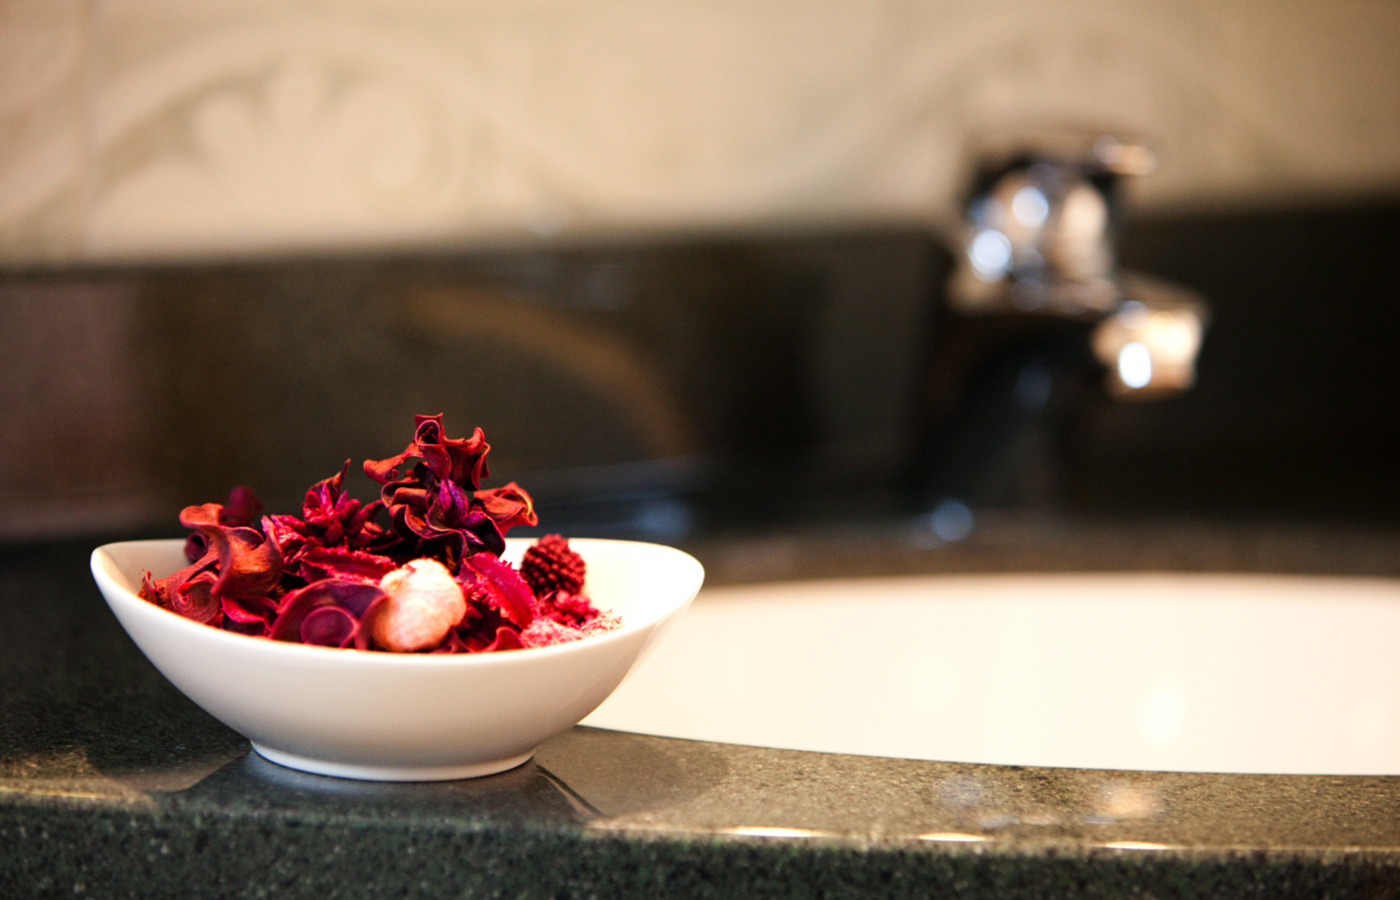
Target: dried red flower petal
[
  {"x": 506, "y": 638},
  {"x": 461, "y": 461},
  {"x": 334, "y": 518},
  {"x": 250, "y": 610},
  {"x": 249, "y": 564},
  {"x": 243, "y": 507},
  {"x": 487, "y": 579},
  {"x": 247, "y": 615},
  {"x": 570, "y": 608},
  {"x": 318, "y": 562},
  {"x": 193, "y": 597},
  {"x": 508, "y": 506}
]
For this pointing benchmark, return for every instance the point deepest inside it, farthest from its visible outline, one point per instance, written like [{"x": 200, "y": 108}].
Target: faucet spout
[{"x": 1149, "y": 344}]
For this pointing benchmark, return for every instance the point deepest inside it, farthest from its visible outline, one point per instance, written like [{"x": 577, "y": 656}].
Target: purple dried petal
[
  {"x": 322, "y": 497},
  {"x": 408, "y": 502},
  {"x": 162, "y": 591},
  {"x": 464, "y": 526},
  {"x": 195, "y": 547},
  {"x": 442, "y": 523},
  {"x": 468, "y": 458},
  {"x": 328, "y": 626},
  {"x": 437, "y": 509},
  {"x": 386, "y": 471},
  {"x": 484, "y": 638},
  {"x": 449, "y": 507},
  {"x": 355, "y": 597}
]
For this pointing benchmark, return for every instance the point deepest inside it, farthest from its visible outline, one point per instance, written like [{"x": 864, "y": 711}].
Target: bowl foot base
[{"x": 390, "y": 773}]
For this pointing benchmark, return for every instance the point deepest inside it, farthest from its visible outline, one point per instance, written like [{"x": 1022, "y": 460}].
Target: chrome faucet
[
  {"x": 1038, "y": 315},
  {"x": 1039, "y": 237}
]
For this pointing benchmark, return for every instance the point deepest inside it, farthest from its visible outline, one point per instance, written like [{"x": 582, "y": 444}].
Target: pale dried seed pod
[{"x": 424, "y": 603}]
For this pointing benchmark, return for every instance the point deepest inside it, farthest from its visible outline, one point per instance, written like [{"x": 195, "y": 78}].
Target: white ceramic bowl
[{"x": 402, "y": 717}]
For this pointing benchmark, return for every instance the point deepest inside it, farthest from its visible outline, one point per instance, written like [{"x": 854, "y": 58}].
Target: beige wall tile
[
  {"x": 252, "y": 126},
  {"x": 43, "y": 97}
]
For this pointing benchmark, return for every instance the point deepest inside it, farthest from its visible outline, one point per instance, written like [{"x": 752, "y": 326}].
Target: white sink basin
[{"x": 1167, "y": 672}]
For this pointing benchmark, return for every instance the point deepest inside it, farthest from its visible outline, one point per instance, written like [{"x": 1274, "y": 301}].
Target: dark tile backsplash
[
  {"x": 1296, "y": 411},
  {"x": 688, "y": 382}
]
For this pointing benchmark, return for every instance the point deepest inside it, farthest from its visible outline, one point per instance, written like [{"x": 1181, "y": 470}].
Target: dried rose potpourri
[{"x": 416, "y": 570}]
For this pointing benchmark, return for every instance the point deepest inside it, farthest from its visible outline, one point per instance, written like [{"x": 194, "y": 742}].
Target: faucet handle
[
  {"x": 1089, "y": 149},
  {"x": 1123, "y": 155}
]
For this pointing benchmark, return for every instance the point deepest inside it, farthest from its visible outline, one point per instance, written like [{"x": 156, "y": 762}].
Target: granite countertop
[{"x": 112, "y": 784}]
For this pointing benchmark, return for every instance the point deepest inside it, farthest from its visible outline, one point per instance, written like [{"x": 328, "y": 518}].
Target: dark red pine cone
[{"x": 549, "y": 565}]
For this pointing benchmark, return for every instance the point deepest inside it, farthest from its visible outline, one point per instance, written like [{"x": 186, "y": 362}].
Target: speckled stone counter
[{"x": 112, "y": 784}]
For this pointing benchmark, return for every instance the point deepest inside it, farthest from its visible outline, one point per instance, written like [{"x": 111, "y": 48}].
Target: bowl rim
[{"x": 104, "y": 565}]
